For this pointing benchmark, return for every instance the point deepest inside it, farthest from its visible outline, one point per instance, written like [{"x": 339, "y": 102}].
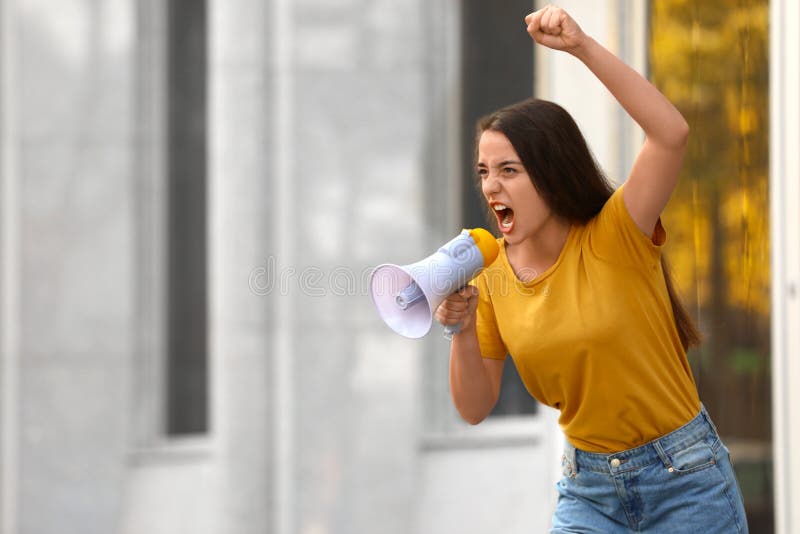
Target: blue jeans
[{"x": 682, "y": 482}]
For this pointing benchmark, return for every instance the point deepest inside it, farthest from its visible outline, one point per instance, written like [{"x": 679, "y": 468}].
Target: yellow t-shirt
[{"x": 594, "y": 336}]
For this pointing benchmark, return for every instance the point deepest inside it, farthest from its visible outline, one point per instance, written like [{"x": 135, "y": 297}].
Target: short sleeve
[
  {"x": 489, "y": 340},
  {"x": 614, "y": 235}
]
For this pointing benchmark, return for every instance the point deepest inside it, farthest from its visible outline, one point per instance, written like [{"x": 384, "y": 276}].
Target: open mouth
[{"x": 505, "y": 217}]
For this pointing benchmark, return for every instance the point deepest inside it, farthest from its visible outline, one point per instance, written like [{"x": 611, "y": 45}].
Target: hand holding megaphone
[
  {"x": 407, "y": 296},
  {"x": 456, "y": 311}
]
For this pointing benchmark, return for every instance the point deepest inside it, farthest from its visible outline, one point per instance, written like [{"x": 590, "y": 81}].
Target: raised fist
[{"x": 552, "y": 27}]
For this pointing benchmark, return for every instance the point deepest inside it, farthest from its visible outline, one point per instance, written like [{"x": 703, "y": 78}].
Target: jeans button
[{"x": 615, "y": 462}]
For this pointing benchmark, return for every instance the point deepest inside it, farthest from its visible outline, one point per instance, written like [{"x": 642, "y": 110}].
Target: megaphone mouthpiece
[{"x": 486, "y": 243}]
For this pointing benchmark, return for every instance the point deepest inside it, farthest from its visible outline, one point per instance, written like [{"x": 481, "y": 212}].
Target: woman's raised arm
[{"x": 655, "y": 171}]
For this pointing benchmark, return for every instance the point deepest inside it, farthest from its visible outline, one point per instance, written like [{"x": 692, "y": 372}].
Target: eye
[
  {"x": 482, "y": 172},
  {"x": 509, "y": 170}
]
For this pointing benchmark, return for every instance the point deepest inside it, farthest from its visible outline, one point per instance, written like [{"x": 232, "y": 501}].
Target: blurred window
[
  {"x": 186, "y": 218},
  {"x": 711, "y": 59},
  {"x": 497, "y": 70}
]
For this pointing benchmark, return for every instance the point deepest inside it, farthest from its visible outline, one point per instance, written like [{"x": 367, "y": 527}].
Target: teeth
[
  {"x": 506, "y": 221},
  {"x": 500, "y": 207}
]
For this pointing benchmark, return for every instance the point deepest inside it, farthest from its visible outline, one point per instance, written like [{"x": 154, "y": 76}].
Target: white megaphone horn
[{"x": 407, "y": 295}]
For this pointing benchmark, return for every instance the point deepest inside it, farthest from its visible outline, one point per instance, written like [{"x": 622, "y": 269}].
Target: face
[{"x": 520, "y": 211}]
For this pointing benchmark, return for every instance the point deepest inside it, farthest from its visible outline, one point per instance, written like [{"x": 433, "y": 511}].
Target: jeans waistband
[{"x": 638, "y": 457}]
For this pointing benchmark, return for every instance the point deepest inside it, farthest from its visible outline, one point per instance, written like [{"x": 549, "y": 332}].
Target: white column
[
  {"x": 283, "y": 205},
  {"x": 241, "y": 154},
  {"x": 565, "y": 80},
  {"x": 620, "y": 26},
  {"x": 9, "y": 276},
  {"x": 785, "y": 246}
]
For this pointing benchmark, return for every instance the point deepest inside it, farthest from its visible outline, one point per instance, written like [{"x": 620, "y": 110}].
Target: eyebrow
[{"x": 502, "y": 163}]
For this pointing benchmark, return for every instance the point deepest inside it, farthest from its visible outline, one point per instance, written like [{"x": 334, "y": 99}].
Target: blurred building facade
[{"x": 193, "y": 195}]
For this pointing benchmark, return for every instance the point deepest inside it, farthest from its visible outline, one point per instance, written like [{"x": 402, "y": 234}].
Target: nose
[{"x": 490, "y": 184}]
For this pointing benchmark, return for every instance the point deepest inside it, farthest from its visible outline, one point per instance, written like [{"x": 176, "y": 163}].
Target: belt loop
[
  {"x": 707, "y": 417},
  {"x": 661, "y": 454},
  {"x": 569, "y": 456}
]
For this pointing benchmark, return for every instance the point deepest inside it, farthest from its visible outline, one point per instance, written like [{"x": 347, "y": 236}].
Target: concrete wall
[{"x": 74, "y": 91}]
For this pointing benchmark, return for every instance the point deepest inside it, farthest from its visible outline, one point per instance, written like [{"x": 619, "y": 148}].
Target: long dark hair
[{"x": 566, "y": 175}]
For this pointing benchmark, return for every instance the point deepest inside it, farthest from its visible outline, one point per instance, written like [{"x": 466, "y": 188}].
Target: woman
[{"x": 580, "y": 298}]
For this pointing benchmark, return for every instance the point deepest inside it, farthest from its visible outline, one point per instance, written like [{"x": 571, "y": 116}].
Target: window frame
[
  {"x": 784, "y": 72},
  {"x": 151, "y": 212},
  {"x": 150, "y": 394}
]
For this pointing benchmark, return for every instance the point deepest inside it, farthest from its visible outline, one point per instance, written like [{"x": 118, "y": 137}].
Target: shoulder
[{"x": 614, "y": 235}]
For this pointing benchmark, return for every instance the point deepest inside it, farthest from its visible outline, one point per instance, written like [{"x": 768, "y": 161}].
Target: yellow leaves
[
  {"x": 745, "y": 215},
  {"x": 710, "y": 59}
]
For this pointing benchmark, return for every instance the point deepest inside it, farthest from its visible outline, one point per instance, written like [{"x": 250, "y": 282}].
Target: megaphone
[{"x": 407, "y": 295}]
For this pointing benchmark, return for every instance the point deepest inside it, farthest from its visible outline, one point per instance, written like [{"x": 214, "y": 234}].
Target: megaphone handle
[{"x": 451, "y": 330}]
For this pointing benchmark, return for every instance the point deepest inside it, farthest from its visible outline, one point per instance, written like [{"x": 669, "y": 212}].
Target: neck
[{"x": 536, "y": 253}]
